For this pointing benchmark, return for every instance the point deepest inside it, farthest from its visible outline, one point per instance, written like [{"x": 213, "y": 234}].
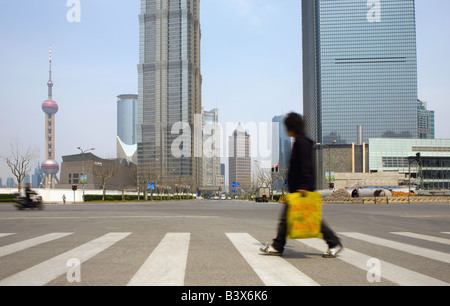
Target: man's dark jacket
[{"x": 301, "y": 174}]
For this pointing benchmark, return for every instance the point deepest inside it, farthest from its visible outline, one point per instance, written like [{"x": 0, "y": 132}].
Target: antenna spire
[{"x": 50, "y": 83}]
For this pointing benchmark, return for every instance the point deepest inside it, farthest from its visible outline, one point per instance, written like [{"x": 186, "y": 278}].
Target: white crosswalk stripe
[
  {"x": 273, "y": 271},
  {"x": 394, "y": 273},
  {"x": 166, "y": 266},
  {"x": 20, "y": 246},
  {"x": 424, "y": 237},
  {"x": 440, "y": 256},
  {"x": 5, "y": 234},
  {"x": 45, "y": 272}
]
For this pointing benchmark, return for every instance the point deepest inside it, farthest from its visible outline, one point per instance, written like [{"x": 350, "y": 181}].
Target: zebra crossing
[{"x": 167, "y": 264}]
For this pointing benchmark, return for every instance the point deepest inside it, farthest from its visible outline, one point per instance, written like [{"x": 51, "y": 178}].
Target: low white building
[{"x": 429, "y": 172}]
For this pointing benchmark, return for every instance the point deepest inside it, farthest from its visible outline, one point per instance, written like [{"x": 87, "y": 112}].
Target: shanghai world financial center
[
  {"x": 360, "y": 69},
  {"x": 169, "y": 89}
]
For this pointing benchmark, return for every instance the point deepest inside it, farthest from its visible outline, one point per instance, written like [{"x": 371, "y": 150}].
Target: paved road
[{"x": 215, "y": 243}]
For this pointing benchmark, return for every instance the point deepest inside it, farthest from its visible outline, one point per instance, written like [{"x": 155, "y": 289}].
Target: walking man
[{"x": 301, "y": 178}]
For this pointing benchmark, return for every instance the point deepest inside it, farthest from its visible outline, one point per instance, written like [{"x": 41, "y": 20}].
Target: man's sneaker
[
  {"x": 333, "y": 252},
  {"x": 268, "y": 249}
]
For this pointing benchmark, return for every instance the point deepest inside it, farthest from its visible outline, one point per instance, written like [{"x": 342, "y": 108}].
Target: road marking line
[
  {"x": 448, "y": 233},
  {"x": 111, "y": 217},
  {"x": 391, "y": 272},
  {"x": 166, "y": 266},
  {"x": 47, "y": 271},
  {"x": 435, "y": 255},
  {"x": 423, "y": 237},
  {"x": 22, "y": 245},
  {"x": 6, "y": 234},
  {"x": 272, "y": 270}
]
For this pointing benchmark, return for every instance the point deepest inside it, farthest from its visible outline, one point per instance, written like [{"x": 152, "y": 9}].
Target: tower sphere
[
  {"x": 50, "y": 167},
  {"x": 50, "y": 107}
]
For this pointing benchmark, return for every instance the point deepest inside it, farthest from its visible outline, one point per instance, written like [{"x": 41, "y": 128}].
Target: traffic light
[
  {"x": 418, "y": 157},
  {"x": 276, "y": 169},
  {"x": 74, "y": 187},
  {"x": 273, "y": 169},
  {"x": 331, "y": 185}
]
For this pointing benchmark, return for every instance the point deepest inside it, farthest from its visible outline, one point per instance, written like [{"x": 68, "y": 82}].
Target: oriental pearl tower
[{"x": 50, "y": 167}]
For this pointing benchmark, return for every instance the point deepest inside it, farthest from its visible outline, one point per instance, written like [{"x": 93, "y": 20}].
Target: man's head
[{"x": 294, "y": 125}]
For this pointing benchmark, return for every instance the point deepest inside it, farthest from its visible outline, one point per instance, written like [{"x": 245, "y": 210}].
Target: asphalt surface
[{"x": 212, "y": 258}]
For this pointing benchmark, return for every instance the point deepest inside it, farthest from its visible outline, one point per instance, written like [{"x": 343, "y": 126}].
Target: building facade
[
  {"x": 169, "y": 88},
  {"x": 120, "y": 173},
  {"x": 340, "y": 158},
  {"x": 425, "y": 121},
  {"x": 398, "y": 155},
  {"x": 239, "y": 161},
  {"x": 359, "y": 69}
]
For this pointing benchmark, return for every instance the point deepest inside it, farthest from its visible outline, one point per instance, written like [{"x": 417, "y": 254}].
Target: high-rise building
[
  {"x": 10, "y": 183},
  {"x": 36, "y": 178},
  {"x": 425, "y": 121},
  {"x": 239, "y": 160},
  {"x": 50, "y": 167},
  {"x": 281, "y": 150},
  {"x": 211, "y": 176},
  {"x": 359, "y": 69},
  {"x": 169, "y": 88},
  {"x": 126, "y": 127}
]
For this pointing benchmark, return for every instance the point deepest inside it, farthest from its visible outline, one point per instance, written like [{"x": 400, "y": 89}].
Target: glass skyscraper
[
  {"x": 169, "y": 88},
  {"x": 126, "y": 118},
  {"x": 360, "y": 69},
  {"x": 281, "y": 150},
  {"x": 425, "y": 121}
]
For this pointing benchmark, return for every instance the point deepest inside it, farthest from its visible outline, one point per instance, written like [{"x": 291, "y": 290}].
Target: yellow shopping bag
[{"x": 304, "y": 215}]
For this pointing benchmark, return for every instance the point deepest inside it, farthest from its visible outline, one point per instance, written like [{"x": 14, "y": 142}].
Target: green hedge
[
  {"x": 7, "y": 198},
  {"x": 118, "y": 197}
]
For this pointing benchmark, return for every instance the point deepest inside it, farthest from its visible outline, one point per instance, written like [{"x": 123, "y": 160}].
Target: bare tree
[
  {"x": 264, "y": 177},
  {"x": 20, "y": 161},
  {"x": 148, "y": 173},
  {"x": 105, "y": 170}
]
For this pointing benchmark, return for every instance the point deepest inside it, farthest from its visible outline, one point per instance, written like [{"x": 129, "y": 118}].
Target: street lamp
[
  {"x": 329, "y": 163},
  {"x": 82, "y": 164}
]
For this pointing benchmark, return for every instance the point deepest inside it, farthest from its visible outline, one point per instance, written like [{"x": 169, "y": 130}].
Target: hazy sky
[{"x": 251, "y": 66}]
